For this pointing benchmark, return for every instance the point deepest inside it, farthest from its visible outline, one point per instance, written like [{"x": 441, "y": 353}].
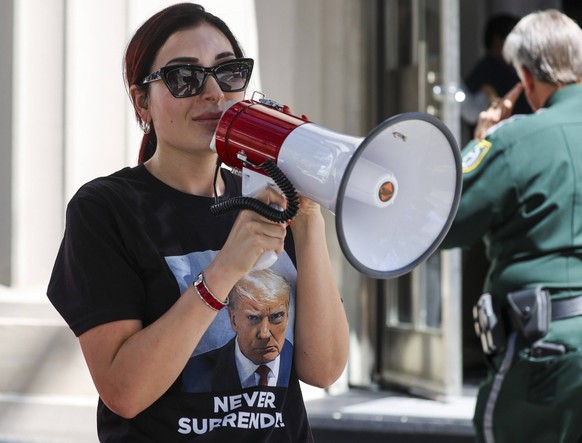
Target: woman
[{"x": 144, "y": 267}]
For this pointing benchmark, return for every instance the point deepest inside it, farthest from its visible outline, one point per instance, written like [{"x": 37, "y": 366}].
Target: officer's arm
[{"x": 483, "y": 169}]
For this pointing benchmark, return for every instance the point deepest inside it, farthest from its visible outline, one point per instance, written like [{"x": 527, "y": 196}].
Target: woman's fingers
[
  {"x": 253, "y": 234},
  {"x": 272, "y": 196}
]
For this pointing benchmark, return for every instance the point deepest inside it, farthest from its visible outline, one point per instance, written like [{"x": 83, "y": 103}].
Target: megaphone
[{"x": 394, "y": 193}]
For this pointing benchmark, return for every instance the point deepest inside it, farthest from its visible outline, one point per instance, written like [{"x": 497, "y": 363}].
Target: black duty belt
[
  {"x": 529, "y": 312},
  {"x": 566, "y": 307}
]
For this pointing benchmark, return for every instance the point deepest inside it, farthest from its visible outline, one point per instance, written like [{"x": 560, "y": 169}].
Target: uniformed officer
[{"x": 522, "y": 196}]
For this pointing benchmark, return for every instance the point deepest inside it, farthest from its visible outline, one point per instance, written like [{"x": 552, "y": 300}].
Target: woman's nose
[{"x": 211, "y": 90}]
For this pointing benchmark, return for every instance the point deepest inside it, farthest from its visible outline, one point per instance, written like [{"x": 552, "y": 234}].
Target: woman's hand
[
  {"x": 251, "y": 236},
  {"x": 307, "y": 208}
]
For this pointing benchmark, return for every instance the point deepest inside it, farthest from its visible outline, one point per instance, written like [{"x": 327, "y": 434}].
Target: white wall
[{"x": 6, "y": 124}]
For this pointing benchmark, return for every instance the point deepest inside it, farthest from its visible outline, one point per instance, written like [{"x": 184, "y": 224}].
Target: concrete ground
[{"x": 46, "y": 392}]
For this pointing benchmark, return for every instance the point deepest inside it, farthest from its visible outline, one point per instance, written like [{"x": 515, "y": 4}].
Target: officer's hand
[{"x": 499, "y": 110}]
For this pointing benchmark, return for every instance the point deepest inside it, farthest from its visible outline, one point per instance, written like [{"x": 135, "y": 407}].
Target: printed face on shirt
[{"x": 260, "y": 326}]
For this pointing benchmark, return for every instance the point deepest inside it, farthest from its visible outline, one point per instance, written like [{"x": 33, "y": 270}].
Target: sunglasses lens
[
  {"x": 184, "y": 81},
  {"x": 233, "y": 76}
]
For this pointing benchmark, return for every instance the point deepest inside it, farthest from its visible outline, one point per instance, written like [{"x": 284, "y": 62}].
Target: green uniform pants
[{"x": 534, "y": 400}]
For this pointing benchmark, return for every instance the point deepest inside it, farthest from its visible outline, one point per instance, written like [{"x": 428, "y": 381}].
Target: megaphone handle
[
  {"x": 266, "y": 260},
  {"x": 253, "y": 184}
]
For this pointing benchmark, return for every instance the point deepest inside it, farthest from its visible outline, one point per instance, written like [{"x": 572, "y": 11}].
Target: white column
[
  {"x": 37, "y": 142},
  {"x": 95, "y": 94}
]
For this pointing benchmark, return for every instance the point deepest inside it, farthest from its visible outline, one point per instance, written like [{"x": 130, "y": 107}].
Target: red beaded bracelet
[{"x": 208, "y": 297}]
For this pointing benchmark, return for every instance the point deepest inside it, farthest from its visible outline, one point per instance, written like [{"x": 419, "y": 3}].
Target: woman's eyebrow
[
  {"x": 182, "y": 60},
  {"x": 196, "y": 60},
  {"x": 224, "y": 55}
]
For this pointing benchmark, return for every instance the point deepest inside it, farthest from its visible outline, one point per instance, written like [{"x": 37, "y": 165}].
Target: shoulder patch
[{"x": 472, "y": 158}]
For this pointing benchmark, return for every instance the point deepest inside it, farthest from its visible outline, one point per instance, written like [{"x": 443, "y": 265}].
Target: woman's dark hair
[{"x": 147, "y": 41}]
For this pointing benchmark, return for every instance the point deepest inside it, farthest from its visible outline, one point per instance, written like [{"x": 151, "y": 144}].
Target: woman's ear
[{"x": 139, "y": 98}]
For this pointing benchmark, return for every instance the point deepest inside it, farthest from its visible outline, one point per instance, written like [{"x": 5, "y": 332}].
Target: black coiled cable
[{"x": 273, "y": 214}]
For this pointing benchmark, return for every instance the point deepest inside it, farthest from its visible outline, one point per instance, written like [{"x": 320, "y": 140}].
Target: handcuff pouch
[{"x": 530, "y": 312}]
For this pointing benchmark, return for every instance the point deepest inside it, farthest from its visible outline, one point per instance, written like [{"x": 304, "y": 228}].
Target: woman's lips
[{"x": 208, "y": 119}]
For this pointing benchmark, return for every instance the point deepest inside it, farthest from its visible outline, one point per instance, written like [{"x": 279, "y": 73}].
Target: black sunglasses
[{"x": 189, "y": 80}]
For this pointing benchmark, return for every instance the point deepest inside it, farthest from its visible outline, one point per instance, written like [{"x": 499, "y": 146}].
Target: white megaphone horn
[{"x": 394, "y": 192}]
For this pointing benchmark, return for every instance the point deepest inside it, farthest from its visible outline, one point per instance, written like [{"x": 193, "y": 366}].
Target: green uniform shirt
[{"x": 522, "y": 194}]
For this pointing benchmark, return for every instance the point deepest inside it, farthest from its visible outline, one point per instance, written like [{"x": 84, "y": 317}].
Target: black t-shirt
[{"x": 132, "y": 245}]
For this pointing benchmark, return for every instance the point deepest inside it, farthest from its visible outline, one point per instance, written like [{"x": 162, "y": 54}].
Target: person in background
[
  {"x": 522, "y": 196},
  {"x": 144, "y": 269},
  {"x": 491, "y": 77}
]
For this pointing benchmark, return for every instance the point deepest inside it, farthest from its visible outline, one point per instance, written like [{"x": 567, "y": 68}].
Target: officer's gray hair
[
  {"x": 259, "y": 286},
  {"x": 549, "y": 45}
]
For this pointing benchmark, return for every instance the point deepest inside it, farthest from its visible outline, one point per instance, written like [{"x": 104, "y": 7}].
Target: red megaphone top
[{"x": 255, "y": 129}]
